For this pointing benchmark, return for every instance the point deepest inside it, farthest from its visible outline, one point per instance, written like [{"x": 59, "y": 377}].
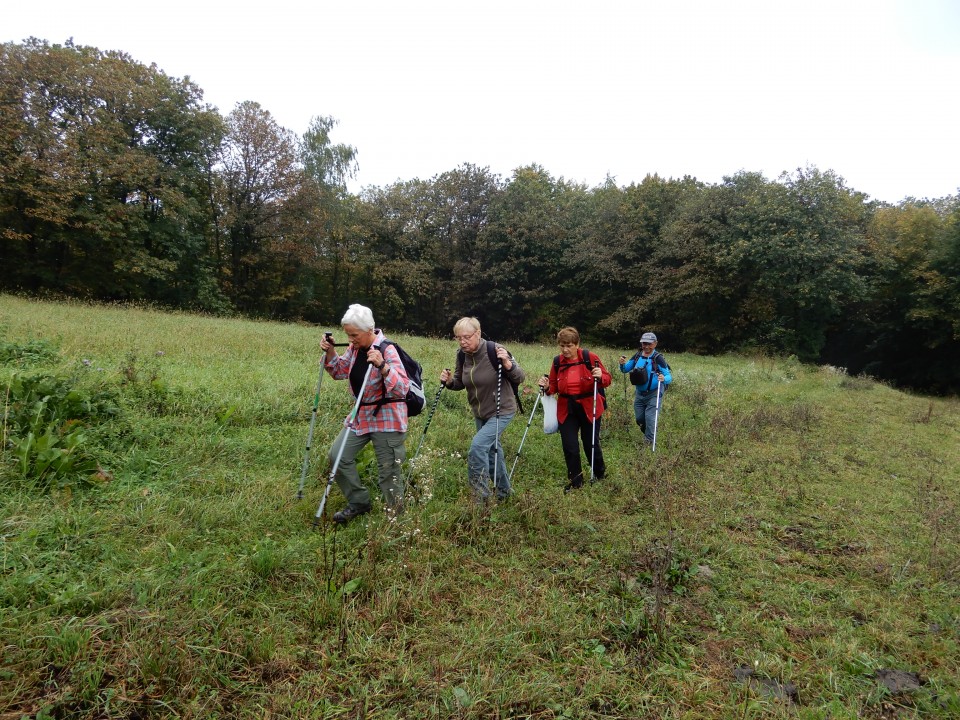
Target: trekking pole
[
  {"x": 593, "y": 425},
  {"x": 436, "y": 401},
  {"x": 656, "y": 414},
  {"x": 496, "y": 438},
  {"x": 626, "y": 400},
  {"x": 524, "y": 438},
  {"x": 313, "y": 422},
  {"x": 351, "y": 418}
]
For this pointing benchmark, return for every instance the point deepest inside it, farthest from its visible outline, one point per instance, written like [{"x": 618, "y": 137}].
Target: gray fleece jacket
[{"x": 479, "y": 378}]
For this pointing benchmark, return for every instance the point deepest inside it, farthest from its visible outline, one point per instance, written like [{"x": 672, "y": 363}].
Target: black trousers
[{"x": 576, "y": 423}]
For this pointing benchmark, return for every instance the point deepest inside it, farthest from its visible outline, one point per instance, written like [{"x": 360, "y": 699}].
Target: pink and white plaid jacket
[{"x": 392, "y": 416}]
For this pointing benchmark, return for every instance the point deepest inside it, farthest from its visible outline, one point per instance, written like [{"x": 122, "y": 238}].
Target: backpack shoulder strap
[
  {"x": 383, "y": 399},
  {"x": 584, "y": 360},
  {"x": 492, "y": 352},
  {"x": 404, "y": 357},
  {"x": 385, "y": 344}
]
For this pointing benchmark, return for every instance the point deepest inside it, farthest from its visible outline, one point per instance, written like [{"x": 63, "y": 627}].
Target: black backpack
[
  {"x": 415, "y": 398},
  {"x": 584, "y": 360},
  {"x": 640, "y": 376},
  {"x": 494, "y": 360}
]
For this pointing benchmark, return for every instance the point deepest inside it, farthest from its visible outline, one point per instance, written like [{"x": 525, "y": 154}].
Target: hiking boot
[
  {"x": 575, "y": 484},
  {"x": 342, "y": 517}
]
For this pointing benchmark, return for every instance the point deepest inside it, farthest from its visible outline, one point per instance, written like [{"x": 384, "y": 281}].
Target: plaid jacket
[{"x": 392, "y": 416}]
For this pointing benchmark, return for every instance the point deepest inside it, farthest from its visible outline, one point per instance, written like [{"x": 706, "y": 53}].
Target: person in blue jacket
[{"x": 657, "y": 372}]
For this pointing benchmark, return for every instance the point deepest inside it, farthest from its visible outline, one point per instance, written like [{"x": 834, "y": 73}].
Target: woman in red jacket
[{"x": 578, "y": 376}]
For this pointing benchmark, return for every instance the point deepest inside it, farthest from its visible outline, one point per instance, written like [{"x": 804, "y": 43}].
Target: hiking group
[{"x": 387, "y": 388}]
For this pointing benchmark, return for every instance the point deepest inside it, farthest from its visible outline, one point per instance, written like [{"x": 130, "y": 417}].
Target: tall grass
[{"x": 795, "y": 534}]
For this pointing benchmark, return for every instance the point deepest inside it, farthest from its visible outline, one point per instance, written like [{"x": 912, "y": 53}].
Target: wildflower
[
  {"x": 86, "y": 363},
  {"x": 160, "y": 353}
]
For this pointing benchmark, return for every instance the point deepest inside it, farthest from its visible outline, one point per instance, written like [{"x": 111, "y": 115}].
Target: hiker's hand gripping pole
[{"x": 351, "y": 419}]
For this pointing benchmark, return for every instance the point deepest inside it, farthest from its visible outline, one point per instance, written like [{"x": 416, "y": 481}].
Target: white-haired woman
[
  {"x": 381, "y": 418},
  {"x": 488, "y": 372}
]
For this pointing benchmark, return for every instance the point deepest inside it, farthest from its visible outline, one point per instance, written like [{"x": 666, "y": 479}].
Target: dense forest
[{"x": 118, "y": 183}]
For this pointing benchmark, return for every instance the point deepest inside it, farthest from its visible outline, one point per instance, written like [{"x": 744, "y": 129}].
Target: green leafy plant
[
  {"x": 29, "y": 352},
  {"x": 45, "y": 426}
]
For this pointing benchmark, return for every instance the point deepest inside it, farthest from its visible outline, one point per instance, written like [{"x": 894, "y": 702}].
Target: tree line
[{"x": 118, "y": 183}]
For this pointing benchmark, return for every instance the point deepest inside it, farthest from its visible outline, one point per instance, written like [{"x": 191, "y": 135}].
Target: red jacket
[{"x": 573, "y": 378}]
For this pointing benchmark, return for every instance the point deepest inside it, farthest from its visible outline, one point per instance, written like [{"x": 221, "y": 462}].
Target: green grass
[{"x": 794, "y": 521}]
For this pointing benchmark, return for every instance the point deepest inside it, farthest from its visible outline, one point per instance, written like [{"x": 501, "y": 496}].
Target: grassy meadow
[{"x": 791, "y": 550}]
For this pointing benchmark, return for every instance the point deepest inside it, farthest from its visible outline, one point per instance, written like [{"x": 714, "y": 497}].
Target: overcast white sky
[{"x": 867, "y": 88}]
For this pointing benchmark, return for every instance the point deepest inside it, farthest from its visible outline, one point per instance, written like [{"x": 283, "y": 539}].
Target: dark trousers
[{"x": 576, "y": 423}]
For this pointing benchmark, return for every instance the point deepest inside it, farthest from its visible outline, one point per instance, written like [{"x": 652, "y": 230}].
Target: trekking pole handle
[{"x": 328, "y": 336}]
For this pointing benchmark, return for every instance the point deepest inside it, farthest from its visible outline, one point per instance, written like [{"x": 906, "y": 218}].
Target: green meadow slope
[{"x": 792, "y": 549}]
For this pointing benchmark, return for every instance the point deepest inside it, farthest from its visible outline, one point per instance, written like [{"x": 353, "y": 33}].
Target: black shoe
[
  {"x": 342, "y": 517},
  {"x": 574, "y": 484}
]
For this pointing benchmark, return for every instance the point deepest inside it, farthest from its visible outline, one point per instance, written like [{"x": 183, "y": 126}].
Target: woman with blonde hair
[{"x": 488, "y": 372}]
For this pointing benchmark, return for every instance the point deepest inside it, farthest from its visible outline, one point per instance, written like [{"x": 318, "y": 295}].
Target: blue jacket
[{"x": 638, "y": 361}]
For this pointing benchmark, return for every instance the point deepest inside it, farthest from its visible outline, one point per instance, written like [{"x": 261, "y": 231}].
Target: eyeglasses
[{"x": 465, "y": 338}]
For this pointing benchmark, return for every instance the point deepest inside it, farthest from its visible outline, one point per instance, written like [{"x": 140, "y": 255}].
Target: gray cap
[{"x": 648, "y": 337}]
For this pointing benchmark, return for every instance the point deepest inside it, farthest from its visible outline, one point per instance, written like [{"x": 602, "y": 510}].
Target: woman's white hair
[{"x": 360, "y": 316}]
